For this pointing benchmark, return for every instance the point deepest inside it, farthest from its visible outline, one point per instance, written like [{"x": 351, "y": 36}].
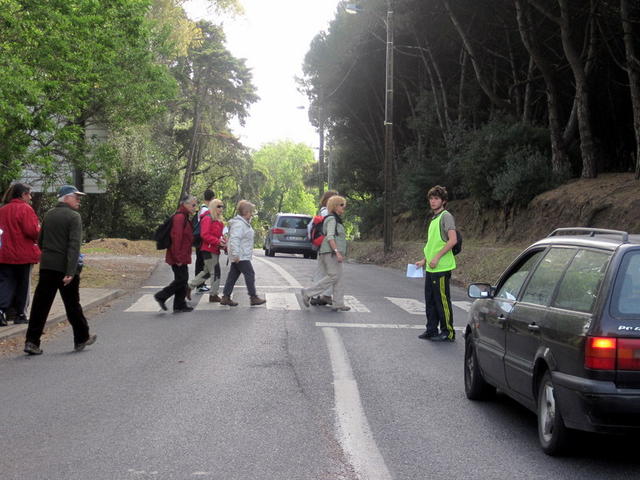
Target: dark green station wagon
[{"x": 560, "y": 333}]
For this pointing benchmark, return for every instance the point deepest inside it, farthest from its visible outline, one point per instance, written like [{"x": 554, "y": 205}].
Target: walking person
[
  {"x": 208, "y": 196},
  {"x": 211, "y": 228},
  {"x": 18, "y": 252},
  {"x": 240, "y": 246},
  {"x": 439, "y": 262},
  {"x": 331, "y": 256},
  {"x": 60, "y": 239},
  {"x": 325, "y": 297},
  {"x": 178, "y": 256}
]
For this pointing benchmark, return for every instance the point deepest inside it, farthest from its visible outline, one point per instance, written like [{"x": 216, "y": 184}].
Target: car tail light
[
  {"x": 600, "y": 353},
  {"x": 277, "y": 231},
  {"x": 628, "y": 354}
]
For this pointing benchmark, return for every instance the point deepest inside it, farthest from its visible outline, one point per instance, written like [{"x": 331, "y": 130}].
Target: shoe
[
  {"x": 214, "y": 298},
  {"x": 21, "y": 319},
  {"x": 225, "y": 300},
  {"x": 443, "y": 337},
  {"x": 315, "y": 301},
  {"x": 3, "y": 319},
  {"x": 160, "y": 302},
  {"x": 183, "y": 309},
  {"x": 89, "y": 341},
  {"x": 203, "y": 289},
  {"x": 32, "y": 349},
  {"x": 342, "y": 308},
  {"x": 427, "y": 336},
  {"x": 188, "y": 295},
  {"x": 257, "y": 301},
  {"x": 326, "y": 300},
  {"x": 305, "y": 298}
]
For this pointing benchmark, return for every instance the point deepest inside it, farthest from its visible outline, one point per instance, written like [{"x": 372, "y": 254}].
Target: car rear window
[
  {"x": 294, "y": 222},
  {"x": 626, "y": 291}
]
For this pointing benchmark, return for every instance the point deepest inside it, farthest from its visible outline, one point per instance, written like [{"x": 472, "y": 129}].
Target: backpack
[
  {"x": 195, "y": 223},
  {"x": 162, "y": 235},
  {"x": 457, "y": 248},
  {"x": 316, "y": 235}
]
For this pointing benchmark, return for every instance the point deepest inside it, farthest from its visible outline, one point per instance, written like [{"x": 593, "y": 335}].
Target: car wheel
[
  {"x": 270, "y": 253},
  {"x": 306, "y": 255},
  {"x": 475, "y": 386},
  {"x": 314, "y": 255},
  {"x": 553, "y": 435}
]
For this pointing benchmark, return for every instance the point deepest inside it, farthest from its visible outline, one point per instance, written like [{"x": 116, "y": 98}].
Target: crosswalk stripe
[
  {"x": 355, "y": 304},
  {"x": 464, "y": 305},
  {"x": 376, "y": 325},
  {"x": 282, "y": 301},
  {"x": 146, "y": 303},
  {"x": 410, "y": 305}
]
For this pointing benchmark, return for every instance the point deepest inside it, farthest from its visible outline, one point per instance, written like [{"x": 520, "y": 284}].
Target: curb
[{"x": 15, "y": 330}]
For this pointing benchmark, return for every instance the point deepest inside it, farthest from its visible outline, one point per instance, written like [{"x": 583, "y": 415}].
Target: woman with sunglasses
[
  {"x": 211, "y": 228},
  {"x": 331, "y": 256}
]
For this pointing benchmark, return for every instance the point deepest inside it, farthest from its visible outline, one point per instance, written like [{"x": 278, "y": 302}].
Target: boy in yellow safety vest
[{"x": 439, "y": 262}]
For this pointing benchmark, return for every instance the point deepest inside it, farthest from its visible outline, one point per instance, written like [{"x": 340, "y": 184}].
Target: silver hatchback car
[{"x": 288, "y": 234}]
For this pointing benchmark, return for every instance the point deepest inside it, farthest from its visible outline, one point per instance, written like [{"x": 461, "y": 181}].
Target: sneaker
[
  {"x": 89, "y": 341},
  {"x": 203, "y": 288},
  {"x": 257, "y": 300},
  {"x": 32, "y": 349},
  {"x": 315, "y": 301},
  {"x": 160, "y": 302},
  {"x": 342, "y": 308},
  {"x": 214, "y": 298},
  {"x": 21, "y": 319},
  {"x": 443, "y": 337},
  {"x": 305, "y": 298},
  {"x": 425, "y": 335},
  {"x": 326, "y": 300},
  {"x": 225, "y": 300},
  {"x": 3, "y": 319},
  {"x": 184, "y": 309}
]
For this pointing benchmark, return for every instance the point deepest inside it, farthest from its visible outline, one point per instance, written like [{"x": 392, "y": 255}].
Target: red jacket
[
  {"x": 210, "y": 231},
  {"x": 21, "y": 229},
  {"x": 181, "y": 239}
]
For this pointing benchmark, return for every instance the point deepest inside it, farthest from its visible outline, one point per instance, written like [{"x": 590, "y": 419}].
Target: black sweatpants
[
  {"x": 437, "y": 299},
  {"x": 49, "y": 283},
  {"x": 177, "y": 288}
]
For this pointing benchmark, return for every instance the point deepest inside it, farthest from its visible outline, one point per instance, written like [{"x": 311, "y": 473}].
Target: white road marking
[
  {"x": 376, "y": 325},
  {"x": 355, "y": 304},
  {"x": 283, "y": 273},
  {"x": 354, "y": 432},
  {"x": 466, "y": 306},
  {"x": 146, "y": 303},
  {"x": 282, "y": 301},
  {"x": 410, "y": 305}
]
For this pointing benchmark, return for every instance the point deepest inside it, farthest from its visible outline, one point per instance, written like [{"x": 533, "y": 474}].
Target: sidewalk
[{"x": 89, "y": 298}]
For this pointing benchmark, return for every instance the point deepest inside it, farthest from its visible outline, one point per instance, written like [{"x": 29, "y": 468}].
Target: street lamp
[{"x": 388, "y": 127}]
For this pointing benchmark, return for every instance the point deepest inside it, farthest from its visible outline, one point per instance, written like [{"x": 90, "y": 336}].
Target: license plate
[{"x": 291, "y": 237}]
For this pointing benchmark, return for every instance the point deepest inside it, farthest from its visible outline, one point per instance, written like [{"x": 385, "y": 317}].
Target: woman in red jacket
[
  {"x": 18, "y": 250},
  {"x": 211, "y": 228}
]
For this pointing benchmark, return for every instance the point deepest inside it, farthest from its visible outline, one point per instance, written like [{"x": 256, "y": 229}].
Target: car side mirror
[{"x": 480, "y": 290}]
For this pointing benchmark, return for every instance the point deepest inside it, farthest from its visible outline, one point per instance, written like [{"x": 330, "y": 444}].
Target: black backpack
[
  {"x": 195, "y": 223},
  {"x": 162, "y": 235}
]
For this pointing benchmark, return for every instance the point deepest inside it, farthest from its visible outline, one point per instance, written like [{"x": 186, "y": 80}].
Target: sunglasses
[
  {"x": 341, "y": 205},
  {"x": 219, "y": 206}
]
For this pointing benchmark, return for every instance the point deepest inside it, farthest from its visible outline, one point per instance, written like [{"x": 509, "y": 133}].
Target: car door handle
[
  {"x": 501, "y": 318},
  {"x": 533, "y": 327}
]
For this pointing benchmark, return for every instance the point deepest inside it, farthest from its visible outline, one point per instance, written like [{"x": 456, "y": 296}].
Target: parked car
[
  {"x": 560, "y": 333},
  {"x": 288, "y": 234}
]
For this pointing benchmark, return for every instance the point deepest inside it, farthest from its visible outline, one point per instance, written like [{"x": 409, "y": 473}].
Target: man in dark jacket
[
  {"x": 60, "y": 238},
  {"x": 179, "y": 257}
]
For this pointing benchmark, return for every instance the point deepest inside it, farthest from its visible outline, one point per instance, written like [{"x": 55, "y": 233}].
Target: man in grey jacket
[{"x": 60, "y": 239}]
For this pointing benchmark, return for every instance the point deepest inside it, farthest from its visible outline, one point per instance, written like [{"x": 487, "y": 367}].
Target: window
[
  {"x": 511, "y": 286},
  {"x": 299, "y": 223},
  {"x": 544, "y": 280},
  {"x": 626, "y": 293},
  {"x": 582, "y": 280}
]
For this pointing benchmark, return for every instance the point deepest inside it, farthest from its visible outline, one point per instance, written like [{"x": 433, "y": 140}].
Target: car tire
[
  {"x": 475, "y": 386},
  {"x": 314, "y": 255},
  {"x": 553, "y": 435},
  {"x": 306, "y": 255},
  {"x": 270, "y": 253}
]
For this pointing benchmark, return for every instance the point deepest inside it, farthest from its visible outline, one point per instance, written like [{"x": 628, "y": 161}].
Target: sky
[{"x": 273, "y": 36}]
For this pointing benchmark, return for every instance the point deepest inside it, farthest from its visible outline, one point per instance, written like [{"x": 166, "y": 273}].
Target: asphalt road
[{"x": 276, "y": 392}]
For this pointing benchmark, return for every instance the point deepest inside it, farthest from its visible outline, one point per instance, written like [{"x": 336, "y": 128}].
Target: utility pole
[{"x": 388, "y": 136}]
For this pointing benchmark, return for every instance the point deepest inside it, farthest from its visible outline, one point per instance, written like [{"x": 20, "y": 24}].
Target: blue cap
[{"x": 68, "y": 190}]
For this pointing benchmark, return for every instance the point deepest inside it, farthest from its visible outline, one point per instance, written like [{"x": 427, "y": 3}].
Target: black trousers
[
  {"x": 49, "y": 283},
  {"x": 14, "y": 286},
  {"x": 199, "y": 266},
  {"x": 177, "y": 288},
  {"x": 437, "y": 299},
  {"x": 245, "y": 268}
]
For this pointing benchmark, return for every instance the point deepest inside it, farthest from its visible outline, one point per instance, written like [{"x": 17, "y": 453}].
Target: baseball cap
[{"x": 68, "y": 190}]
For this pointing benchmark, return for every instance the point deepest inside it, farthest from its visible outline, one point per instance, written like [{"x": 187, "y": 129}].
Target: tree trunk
[
  {"x": 528, "y": 92},
  {"x": 633, "y": 73},
  {"x": 463, "y": 74}
]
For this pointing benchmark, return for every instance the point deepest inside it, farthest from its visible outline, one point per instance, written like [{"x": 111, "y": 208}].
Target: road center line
[
  {"x": 283, "y": 273},
  {"x": 355, "y": 435}
]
